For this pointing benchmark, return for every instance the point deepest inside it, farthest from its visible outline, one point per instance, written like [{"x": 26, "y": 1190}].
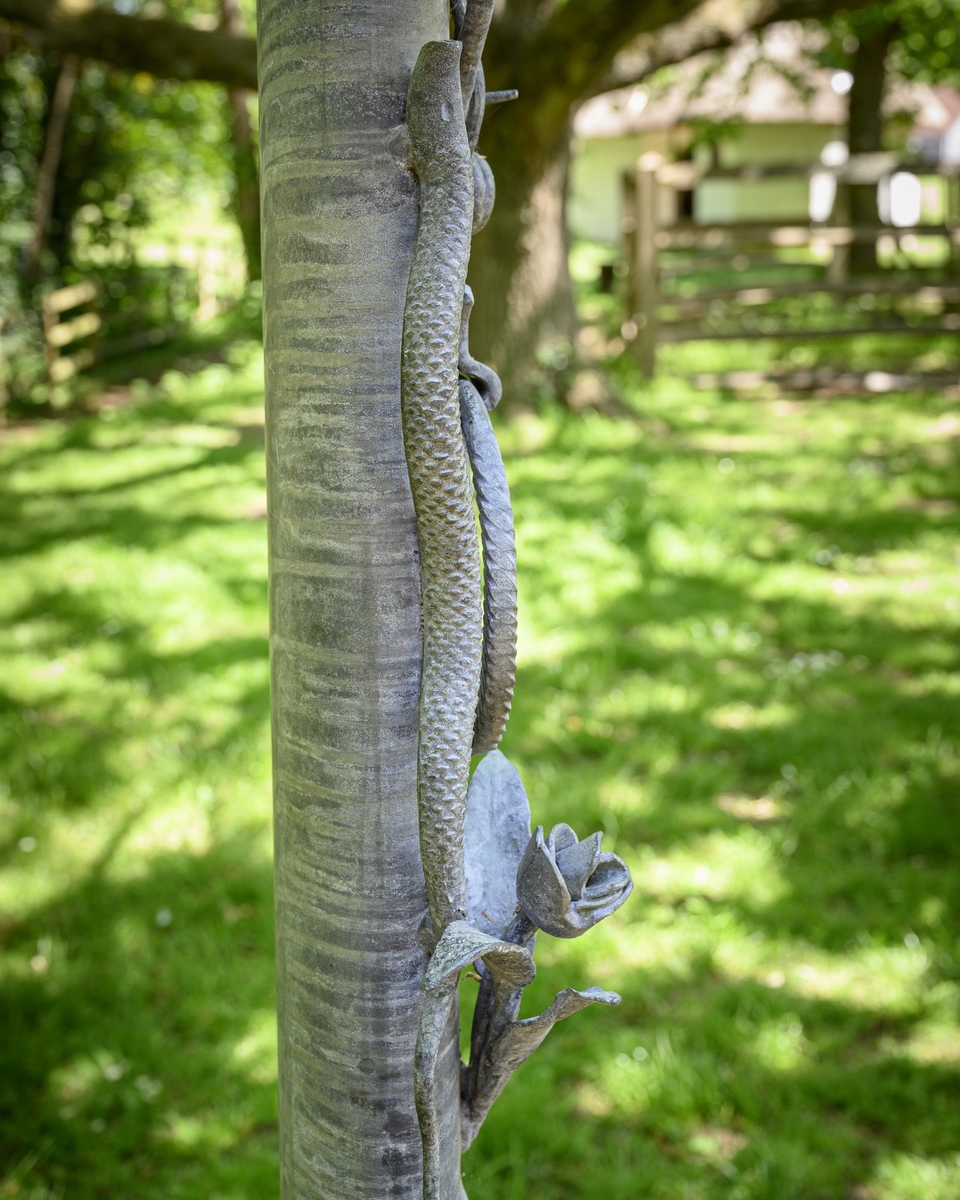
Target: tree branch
[
  {"x": 574, "y": 47},
  {"x": 581, "y": 49},
  {"x": 161, "y": 47},
  {"x": 50, "y": 159},
  {"x": 715, "y": 25}
]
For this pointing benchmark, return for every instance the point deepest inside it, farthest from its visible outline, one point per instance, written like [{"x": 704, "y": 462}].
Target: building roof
[
  {"x": 938, "y": 109},
  {"x": 769, "y": 80}
]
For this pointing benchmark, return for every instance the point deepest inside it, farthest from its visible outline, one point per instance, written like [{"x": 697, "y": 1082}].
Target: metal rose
[{"x": 566, "y": 886}]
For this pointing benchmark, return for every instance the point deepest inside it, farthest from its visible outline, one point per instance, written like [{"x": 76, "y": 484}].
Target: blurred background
[{"x": 723, "y": 286}]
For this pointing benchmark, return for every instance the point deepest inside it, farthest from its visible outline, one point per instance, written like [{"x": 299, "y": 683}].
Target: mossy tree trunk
[
  {"x": 340, "y": 209},
  {"x": 519, "y": 269},
  {"x": 866, "y": 131},
  {"x": 61, "y": 98},
  {"x": 555, "y": 54},
  {"x": 246, "y": 196}
]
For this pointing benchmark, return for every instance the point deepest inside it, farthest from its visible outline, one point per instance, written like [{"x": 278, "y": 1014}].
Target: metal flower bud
[{"x": 566, "y": 886}]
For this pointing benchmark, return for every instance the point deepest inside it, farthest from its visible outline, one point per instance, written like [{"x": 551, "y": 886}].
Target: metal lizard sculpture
[{"x": 469, "y": 631}]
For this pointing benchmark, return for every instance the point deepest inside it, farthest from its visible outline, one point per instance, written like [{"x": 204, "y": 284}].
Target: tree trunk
[
  {"x": 50, "y": 161},
  {"x": 520, "y": 274},
  {"x": 246, "y": 198},
  {"x": 340, "y": 210},
  {"x": 866, "y": 133},
  {"x": 556, "y": 55}
]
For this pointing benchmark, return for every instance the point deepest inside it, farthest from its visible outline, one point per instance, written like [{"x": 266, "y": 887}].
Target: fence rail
[
  {"x": 684, "y": 237},
  {"x": 59, "y": 333},
  {"x": 79, "y": 329},
  {"x": 657, "y": 255}
]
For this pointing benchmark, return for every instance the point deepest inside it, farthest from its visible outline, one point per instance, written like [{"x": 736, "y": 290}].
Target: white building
[{"x": 769, "y": 105}]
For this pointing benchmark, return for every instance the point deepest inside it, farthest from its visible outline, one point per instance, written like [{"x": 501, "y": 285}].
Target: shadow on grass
[
  {"x": 776, "y": 757},
  {"x": 779, "y": 762},
  {"x": 136, "y": 962},
  {"x": 144, "y": 1049},
  {"x": 705, "y": 1087}
]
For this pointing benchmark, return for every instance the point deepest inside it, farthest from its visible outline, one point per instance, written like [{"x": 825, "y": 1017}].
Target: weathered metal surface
[
  {"x": 566, "y": 886},
  {"x": 341, "y": 211},
  {"x": 498, "y": 668},
  {"x": 439, "y": 474},
  {"x": 511, "y": 1048},
  {"x": 446, "y": 531},
  {"x": 490, "y": 884},
  {"x": 495, "y": 835}
]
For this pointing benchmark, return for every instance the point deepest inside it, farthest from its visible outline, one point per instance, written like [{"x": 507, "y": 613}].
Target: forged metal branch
[
  {"x": 473, "y": 35},
  {"x": 517, "y": 884},
  {"x": 511, "y": 1045},
  {"x": 507, "y": 962}
]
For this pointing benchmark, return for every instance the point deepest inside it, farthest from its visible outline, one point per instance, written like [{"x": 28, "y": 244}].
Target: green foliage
[
  {"x": 23, "y": 103},
  {"x": 204, "y": 14},
  {"x": 927, "y": 48},
  {"x": 132, "y": 144},
  {"x": 136, "y": 151}
]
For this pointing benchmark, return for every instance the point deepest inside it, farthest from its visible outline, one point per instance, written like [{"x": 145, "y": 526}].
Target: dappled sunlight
[
  {"x": 892, "y": 979},
  {"x": 754, "y": 713},
  {"x": 772, "y": 753},
  {"x": 631, "y": 1081},
  {"x": 909, "y": 1177},
  {"x": 779, "y": 1044},
  {"x": 717, "y": 866},
  {"x": 134, "y": 731},
  {"x": 744, "y": 715},
  {"x": 936, "y": 1040},
  {"x": 256, "y": 1052}
]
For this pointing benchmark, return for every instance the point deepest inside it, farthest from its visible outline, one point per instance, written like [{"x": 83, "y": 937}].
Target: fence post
[
  {"x": 647, "y": 280},
  {"x": 4, "y": 393},
  {"x": 839, "y": 267},
  {"x": 628, "y": 230},
  {"x": 58, "y": 334},
  {"x": 952, "y": 219}
]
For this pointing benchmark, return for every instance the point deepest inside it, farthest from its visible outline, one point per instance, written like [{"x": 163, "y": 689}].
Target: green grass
[{"x": 738, "y": 657}]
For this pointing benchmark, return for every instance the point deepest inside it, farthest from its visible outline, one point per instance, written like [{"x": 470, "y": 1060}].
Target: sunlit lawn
[{"x": 739, "y": 658}]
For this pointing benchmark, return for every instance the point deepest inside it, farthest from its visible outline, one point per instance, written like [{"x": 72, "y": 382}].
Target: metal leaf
[
  {"x": 519, "y": 1040},
  {"x": 512, "y": 1048},
  {"x": 495, "y": 834},
  {"x": 461, "y": 945}
]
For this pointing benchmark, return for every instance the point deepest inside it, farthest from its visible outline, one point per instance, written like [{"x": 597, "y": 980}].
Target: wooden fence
[
  {"x": 81, "y": 327},
  {"x": 661, "y": 255}
]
